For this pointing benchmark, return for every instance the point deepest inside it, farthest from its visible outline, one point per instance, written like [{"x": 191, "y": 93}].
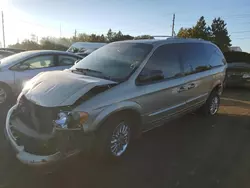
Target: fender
[
  {"x": 216, "y": 84},
  {"x": 112, "y": 109}
]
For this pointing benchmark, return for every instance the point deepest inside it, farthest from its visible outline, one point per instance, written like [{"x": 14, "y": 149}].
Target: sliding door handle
[
  {"x": 192, "y": 85},
  {"x": 181, "y": 89}
]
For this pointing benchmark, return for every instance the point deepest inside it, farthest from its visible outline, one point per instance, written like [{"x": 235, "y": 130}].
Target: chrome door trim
[
  {"x": 166, "y": 109},
  {"x": 176, "y": 106},
  {"x": 195, "y": 98}
]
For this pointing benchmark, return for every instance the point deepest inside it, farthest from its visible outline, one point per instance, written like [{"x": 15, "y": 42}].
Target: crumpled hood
[{"x": 60, "y": 88}]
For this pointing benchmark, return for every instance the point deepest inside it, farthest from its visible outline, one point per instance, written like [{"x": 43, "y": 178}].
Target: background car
[
  {"x": 86, "y": 52},
  {"x": 5, "y": 53},
  {"x": 81, "y": 47},
  {"x": 238, "y": 71},
  {"x": 14, "y": 50},
  {"x": 16, "y": 69}
]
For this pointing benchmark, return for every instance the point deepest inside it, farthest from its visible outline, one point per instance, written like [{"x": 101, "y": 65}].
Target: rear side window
[
  {"x": 194, "y": 57},
  {"x": 65, "y": 60},
  {"x": 166, "y": 59},
  {"x": 214, "y": 55}
]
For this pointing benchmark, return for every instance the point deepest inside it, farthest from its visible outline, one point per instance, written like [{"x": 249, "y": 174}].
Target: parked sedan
[
  {"x": 16, "y": 69},
  {"x": 4, "y": 53},
  {"x": 238, "y": 71},
  {"x": 80, "y": 47}
]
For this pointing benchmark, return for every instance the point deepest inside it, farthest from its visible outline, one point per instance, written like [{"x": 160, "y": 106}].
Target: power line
[
  {"x": 242, "y": 38},
  {"x": 241, "y": 31}
]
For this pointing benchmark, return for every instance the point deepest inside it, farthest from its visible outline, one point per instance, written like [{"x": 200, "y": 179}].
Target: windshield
[{"x": 116, "y": 60}]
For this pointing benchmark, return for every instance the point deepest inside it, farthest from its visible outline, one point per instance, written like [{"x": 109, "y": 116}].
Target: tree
[
  {"x": 27, "y": 45},
  {"x": 110, "y": 35},
  {"x": 96, "y": 38},
  {"x": 143, "y": 37},
  {"x": 50, "y": 43},
  {"x": 200, "y": 30},
  {"x": 113, "y": 36},
  {"x": 185, "y": 33},
  {"x": 220, "y": 34},
  {"x": 82, "y": 37},
  {"x": 217, "y": 33}
]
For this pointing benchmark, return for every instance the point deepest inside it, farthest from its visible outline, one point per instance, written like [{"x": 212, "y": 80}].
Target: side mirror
[
  {"x": 23, "y": 67},
  {"x": 150, "y": 76}
]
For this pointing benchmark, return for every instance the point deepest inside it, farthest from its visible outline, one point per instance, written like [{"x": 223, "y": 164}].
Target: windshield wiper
[{"x": 82, "y": 70}]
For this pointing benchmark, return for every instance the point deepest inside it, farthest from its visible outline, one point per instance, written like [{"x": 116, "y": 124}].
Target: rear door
[
  {"x": 198, "y": 76},
  {"x": 163, "y": 98}
]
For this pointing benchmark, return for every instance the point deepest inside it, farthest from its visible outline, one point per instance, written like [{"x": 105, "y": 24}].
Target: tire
[
  {"x": 5, "y": 94},
  {"x": 113, "y": 138},
  {"x": 211, "y": 107}
]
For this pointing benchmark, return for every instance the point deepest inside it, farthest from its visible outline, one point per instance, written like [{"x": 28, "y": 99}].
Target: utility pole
[
  {"x": 75, "y": 33},
  {"x": 60, "y": 31},
  {"x": 173, "y": 33},
  {"x": 3, "y": 30}
]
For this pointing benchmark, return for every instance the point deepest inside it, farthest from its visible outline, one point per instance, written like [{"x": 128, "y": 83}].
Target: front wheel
[
  {"x": 4, "y": 94},
  {"x": 211, "y": 107},
  {"x": 113, "y": 138}
]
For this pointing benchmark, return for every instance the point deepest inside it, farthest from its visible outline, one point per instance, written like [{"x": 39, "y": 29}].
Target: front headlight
[
  {"x": 70, "y": 120},
  {"x": 247, "y": 75}
]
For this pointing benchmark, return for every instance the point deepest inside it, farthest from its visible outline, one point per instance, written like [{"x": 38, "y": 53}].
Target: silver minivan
[{"x": 112, "y": 96}]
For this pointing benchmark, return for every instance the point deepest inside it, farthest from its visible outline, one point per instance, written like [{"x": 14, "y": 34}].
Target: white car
[{"x": 16, "y": 69}]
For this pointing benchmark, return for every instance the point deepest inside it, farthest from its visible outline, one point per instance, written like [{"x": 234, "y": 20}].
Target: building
[{"x": 235, "y": 49}]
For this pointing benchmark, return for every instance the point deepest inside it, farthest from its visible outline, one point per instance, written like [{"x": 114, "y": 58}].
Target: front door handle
[{"x": 190, "y": 86}]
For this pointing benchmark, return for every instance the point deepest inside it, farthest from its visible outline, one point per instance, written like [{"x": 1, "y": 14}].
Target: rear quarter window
[
  {"x": 214, "y": 55},
  {"x": 193, "y": 57}
]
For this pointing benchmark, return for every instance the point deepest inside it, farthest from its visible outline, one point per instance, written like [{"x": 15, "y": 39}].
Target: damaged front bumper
[{"x": 31, "y": 158}]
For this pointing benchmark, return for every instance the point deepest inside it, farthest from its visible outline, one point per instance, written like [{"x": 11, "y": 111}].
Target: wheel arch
[
  {"x": 217, "y": 87},
  {"x": 130, "y": 109},
  {"x": 6, "y": 85}
]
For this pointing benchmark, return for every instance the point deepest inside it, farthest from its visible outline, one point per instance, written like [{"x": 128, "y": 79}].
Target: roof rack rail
[
  {"x": 161, "y": 36},
  {"x": 167, "y": 36}
]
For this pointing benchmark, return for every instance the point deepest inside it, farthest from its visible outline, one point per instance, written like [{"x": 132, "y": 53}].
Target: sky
[{"x": 134, "y": 17}]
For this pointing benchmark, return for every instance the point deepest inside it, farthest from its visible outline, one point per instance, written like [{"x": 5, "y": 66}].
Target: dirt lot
[{"x": 191, "y": 152}]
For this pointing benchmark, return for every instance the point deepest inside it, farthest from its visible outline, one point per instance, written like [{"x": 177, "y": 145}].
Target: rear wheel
[
  {"x": 113, "y": 138},
  {"x": 211, "y": 107}
]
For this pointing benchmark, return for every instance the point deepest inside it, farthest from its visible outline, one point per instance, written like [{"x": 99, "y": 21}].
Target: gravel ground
[{"x": 190, "y": 152}]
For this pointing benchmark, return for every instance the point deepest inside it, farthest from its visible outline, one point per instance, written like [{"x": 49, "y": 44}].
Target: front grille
[{"x": 36, "y": 117}]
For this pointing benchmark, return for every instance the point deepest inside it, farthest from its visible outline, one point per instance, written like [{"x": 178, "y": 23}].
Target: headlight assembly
[{"x": 70, "y": 120}]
